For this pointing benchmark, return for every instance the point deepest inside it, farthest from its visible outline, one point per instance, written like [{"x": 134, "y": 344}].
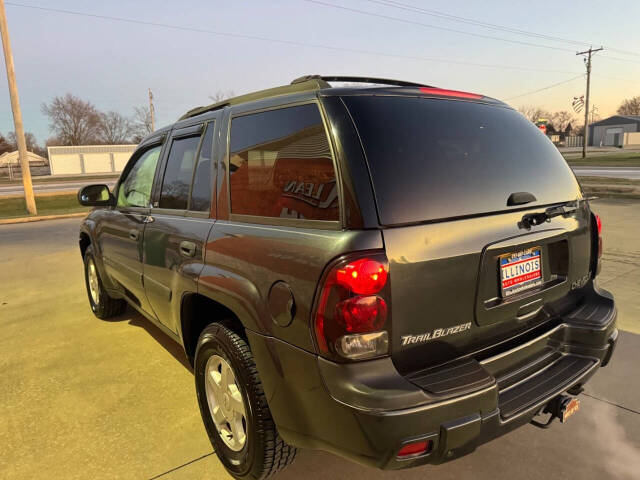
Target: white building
[
  {"x": 89, "y": 159},
  {"x": 11, "y": 158}
]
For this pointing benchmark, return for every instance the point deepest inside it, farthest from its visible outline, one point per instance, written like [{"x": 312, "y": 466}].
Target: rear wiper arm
[{"x": 530, "y": 219}]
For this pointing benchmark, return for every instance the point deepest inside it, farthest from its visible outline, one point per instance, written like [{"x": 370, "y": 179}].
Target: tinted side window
[
  {"x": 178, "y": 173},
  {"x": 280, "y": 165},
  {"x": 135, "y": 188},
  {"x": 201, "y": 190}
]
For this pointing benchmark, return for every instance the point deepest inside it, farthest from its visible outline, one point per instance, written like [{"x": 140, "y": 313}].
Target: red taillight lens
[
  {"x": 596, "y": 244},
  {"x": 364, "y": 276},
  {"x": 352, "y": 309},
  {"x": 599, "y": 224},
  {"x": 415, "y": 449},
  {"x": 362, "y": 314}
]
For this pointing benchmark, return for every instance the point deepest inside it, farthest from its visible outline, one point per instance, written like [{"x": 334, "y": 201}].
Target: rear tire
[
  {"x": 103, "y": 305},
  {"x": 257, "y": 451}
]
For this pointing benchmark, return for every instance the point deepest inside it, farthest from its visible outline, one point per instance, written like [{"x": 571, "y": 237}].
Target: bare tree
[
  {"x": 533, "y": 113},
  {"x": 32, "y": 143},
  {"x": 74, "y": 121},
  {"x": 577, "y": 129},
  {"x": 630, "y": 106},
  {"x": 220, "y": 95},
  {"x": 141, "y": 123},
  {"x": 114, "y": 128},
  {"x": 5, "y": 146},
  {"x": 30, "y": 140},
  {"x": 561, "y": 120}
]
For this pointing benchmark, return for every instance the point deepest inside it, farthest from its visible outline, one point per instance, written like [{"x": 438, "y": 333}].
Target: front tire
[
  {"x": 101, "y": 303},
  {"x": 234, "y": 407}
]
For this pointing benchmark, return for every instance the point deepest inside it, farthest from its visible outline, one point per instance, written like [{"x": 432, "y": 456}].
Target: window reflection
[{"x": 281, "y": 165}]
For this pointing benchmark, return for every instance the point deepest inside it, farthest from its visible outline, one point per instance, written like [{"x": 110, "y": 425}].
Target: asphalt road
[
  {"x": 51, "y": 187},
  {"x": 620, "y": 172},
  {"x": 83, "y": 398}
]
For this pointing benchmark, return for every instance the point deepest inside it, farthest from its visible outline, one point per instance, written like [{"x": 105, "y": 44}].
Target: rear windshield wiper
[{"x": 530, "y": 219}]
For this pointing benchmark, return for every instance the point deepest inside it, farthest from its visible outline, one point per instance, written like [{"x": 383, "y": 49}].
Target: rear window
[{"x": 432, "y": 159}]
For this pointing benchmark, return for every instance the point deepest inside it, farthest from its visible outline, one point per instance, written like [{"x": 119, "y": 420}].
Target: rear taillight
[
  {"x": 596, "y": 243},
  {"x": 352, "y": 311},
  {"x": 599, "y": 224}
]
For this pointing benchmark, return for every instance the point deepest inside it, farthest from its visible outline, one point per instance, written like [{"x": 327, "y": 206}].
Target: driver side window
[{"x": 135, "y": 189}]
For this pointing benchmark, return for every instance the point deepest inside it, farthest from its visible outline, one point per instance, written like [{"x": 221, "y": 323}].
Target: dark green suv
[{"x": 393, "y": 273}]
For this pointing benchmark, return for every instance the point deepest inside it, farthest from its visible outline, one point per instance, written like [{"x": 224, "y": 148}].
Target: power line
[
  {"x": 452, "y": 30},
  {"x": 545, "y": 88},
  {"x": 599, "y": 75},
  {"x": 492, "y": 26},
  {"x": 280, "y": 41},
  {"x": 436, "y": 27}
]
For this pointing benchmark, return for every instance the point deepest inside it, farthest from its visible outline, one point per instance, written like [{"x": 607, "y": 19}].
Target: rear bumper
[{"x": 367, "y": 411}]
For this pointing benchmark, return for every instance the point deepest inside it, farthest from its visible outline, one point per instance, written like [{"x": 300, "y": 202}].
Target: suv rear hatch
[{"x": 453, "y": 179}]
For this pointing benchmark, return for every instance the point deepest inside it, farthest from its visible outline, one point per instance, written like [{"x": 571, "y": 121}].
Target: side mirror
[{"x": 95, "y": 196}]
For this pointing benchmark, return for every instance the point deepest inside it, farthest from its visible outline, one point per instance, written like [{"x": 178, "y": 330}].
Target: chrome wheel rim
[
  {"x": 226, "y": 404},
  {"x": 94, "y": 285}
]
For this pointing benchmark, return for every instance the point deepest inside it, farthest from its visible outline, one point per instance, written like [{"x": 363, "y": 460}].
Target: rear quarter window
[
  {"x": 280, "y": 165},
  {"x": 432, "y": 159}
]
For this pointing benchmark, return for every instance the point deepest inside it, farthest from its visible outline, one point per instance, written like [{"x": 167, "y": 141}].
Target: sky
[{"x": 112, "y": 63}]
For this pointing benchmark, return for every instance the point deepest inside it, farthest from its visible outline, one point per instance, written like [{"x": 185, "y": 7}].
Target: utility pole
[
  {"x": 152, "y": 112},
  {"x": 586, "y": 99},
  {"x": 594, "y": 109},
  {"x": 17, "y": 114}
]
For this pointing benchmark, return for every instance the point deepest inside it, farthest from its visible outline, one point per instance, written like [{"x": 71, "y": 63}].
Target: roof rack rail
[
  {"x": 312, "y": 83},
  {"x": 338, "y": 78},
  {"x": 301, "y": 84}
]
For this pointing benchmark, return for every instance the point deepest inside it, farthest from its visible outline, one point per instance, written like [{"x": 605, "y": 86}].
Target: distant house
[
  {"x": 11, "y": 158},
  {"x": 78, "y": 160},
  {"x": 611, "y": 131}
]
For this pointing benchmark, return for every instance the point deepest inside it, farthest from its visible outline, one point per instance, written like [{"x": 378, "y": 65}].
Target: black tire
[
  {"x": 106, "y": 306},
  {"x": 264, "y": 452}
]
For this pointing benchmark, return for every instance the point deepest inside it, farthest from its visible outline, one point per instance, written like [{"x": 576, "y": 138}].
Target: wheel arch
[
  {"x": 84, "y": 241},
  {"x": 197, "y": 311}
]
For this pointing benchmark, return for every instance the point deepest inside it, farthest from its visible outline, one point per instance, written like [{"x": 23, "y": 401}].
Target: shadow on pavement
[{"x": 136, "y": 319}]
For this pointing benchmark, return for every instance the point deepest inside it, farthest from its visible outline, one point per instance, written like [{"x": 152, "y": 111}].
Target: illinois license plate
[
  {"x": 520, "y": 271},
  {"x": 569, "y": 409}
]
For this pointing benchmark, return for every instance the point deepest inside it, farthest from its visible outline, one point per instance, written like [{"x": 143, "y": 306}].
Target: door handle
[
  {"x": 187, "y": 249},
  {"x": 133, "y": 234}
]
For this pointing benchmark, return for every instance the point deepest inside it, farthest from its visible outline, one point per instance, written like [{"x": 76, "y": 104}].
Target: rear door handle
[
  {"x": 133, "y": 234},
  {"x": 188, "y": 249}
]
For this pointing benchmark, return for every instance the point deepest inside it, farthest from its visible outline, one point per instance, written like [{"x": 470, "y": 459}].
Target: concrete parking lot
[{"x": 83, "y": 398}]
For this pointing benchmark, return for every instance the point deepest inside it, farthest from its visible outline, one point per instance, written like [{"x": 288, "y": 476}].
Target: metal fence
[
  {"x": 13, "y": 172},
  {"x": 575, "y": 141}
]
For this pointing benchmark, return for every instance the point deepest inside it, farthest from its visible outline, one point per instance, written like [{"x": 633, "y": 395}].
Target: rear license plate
[
  {"x": 569, "y": 409},
  {"x": 520, "y": 271}
]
